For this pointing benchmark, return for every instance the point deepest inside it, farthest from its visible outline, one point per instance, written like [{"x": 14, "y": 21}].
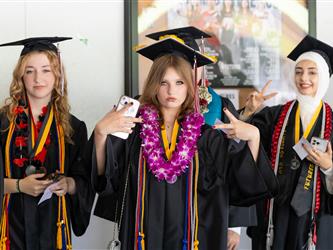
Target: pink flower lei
[{"x": 153, "y": 151}]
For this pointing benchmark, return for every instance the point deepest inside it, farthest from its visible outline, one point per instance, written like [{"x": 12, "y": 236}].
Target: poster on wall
[
  {"x": 250, "y": 38},
  {"x": 231, "y": 94}
]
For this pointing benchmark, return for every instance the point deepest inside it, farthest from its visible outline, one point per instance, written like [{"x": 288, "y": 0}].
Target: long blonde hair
[
  {"x": 17, "y": 92},
  {"x": 155, "y": 77}
]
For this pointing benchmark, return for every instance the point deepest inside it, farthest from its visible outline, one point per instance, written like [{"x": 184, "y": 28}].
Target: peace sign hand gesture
[
  {"x": 256, "y": 99},
  {"x": 238, "y": 129},
  {"x": 241, "y": 130}
]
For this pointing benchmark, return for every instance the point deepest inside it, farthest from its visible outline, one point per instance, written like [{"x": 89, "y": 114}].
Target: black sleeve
[
  {"x": 226, "y": 103},
  {"x": 115, "y": 157},
  {"x": 79, "y": 169},
  {"x": 242, "y": 216},
  {"x": 238, "y": 216},
  {"x": 249, "y": 181},
  {"x": 108, "y": 186},
  {"x": 265, "y": 121}
]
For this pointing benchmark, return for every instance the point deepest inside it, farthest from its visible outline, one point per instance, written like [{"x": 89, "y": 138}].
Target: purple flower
[{"x": 153, "y": 152}]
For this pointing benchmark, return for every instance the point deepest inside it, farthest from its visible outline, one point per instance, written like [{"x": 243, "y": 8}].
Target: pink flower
[{"x": 153, "y": 152}]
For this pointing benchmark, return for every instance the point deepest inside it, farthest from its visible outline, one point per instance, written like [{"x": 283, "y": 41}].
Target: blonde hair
[
  {"x": 155, "y": 77},
  {"x": 17, "y": 92}
]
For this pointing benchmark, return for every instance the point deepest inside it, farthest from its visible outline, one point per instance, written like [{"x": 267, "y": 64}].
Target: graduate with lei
[
  {"x": 300, "y": 217},
  {"x": 42, "y": 147},
  {"x": 211, "y": 106},
  {"x": 171, "y": 176}
]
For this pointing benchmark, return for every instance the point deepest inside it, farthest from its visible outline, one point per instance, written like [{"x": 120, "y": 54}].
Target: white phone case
[
  {"x": 319, "y": 144},
  {"x": 131, "y": 112}
]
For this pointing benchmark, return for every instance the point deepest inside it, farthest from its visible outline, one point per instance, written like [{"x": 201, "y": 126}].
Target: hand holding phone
[
  {"x": 130, "y": 112},
  {"x": 319, "y": 144}
]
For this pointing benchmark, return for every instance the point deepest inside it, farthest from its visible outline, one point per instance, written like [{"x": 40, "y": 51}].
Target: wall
[
  {"x": 324, "y": 20},
  {"x": 95, "y": 70}
]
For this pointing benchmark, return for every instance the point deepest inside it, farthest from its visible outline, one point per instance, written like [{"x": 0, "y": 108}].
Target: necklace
[
  {"x": 21, "y": 158},
  {"x": 153, "y": 152}
]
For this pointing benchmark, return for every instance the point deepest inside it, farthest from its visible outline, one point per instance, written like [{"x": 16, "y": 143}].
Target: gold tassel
[
  {"x": 142, "y": 241},
  {"x": 196, "y": 245},
  {"x": 3, "y": 243},
  {"x": 59, "y": 234}
]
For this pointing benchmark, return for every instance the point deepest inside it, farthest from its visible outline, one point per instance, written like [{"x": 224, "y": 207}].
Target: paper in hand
[
  {"x": 217, "y": 121},
  {"x": 47, "y": 194},
  {"x": 300, "y": 150}
]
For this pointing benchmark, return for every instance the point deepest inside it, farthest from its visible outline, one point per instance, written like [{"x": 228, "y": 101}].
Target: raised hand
[
  {"x": 323, "y": 160},
  {"x": 238, "y": 129},
  {"x": 242, "y": 130},
  {"x": 112, "y": 122},
  {"x": 115, "y": 121},
  {"x": 256, "y": 99}
]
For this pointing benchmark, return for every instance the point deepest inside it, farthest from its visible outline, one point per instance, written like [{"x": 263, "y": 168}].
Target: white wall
[
  {"x": 324, "y": 23},
  {"x": 95, "y": 71}
]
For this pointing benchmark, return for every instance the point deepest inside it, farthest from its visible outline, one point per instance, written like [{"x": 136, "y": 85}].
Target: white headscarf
[{"x": 308, "y": 104}]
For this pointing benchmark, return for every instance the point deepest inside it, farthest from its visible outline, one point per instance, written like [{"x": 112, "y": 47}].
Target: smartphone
[
  {"x": 131, "y": 112},
  {"x": 319, "y": 144}
]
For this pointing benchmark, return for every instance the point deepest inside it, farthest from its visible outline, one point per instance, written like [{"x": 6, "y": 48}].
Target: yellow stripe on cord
[
  {"x": 169, "y": 150},
  {"x": 59, "y": 225},
  {"x": 6, "y": 196},
  {"x": 68, "y": 242},
  {"x": 45, "y": 133},
  {"x": 196, "y": 241},
  {"x": 7, "y": 153},
  {"x": 62, "y": 200},
  {"x": 4, "y": 222},
  {"x": 33, "y": 136},
  {"x": 143, "y": 205},
  {"x": 311, "y": 124}
]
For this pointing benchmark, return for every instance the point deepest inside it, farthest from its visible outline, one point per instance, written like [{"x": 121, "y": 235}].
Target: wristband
[{"x": 18, "y": 186}]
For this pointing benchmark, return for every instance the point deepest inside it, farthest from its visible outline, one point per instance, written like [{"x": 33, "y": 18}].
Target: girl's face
[
  {"x": 306, "y": 77},
  {"x": 38, "y": 77},
  {"x": 173, "y": 90}
]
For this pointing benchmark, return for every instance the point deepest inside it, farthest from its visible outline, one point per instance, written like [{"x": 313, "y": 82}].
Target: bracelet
[{"x": 18, "y": 186}]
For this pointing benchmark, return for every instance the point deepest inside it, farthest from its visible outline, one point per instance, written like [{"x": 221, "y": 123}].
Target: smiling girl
[{"x": 300, "y": 217}]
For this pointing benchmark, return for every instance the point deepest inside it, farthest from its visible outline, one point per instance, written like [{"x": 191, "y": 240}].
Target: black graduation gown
[
  {"x": 291, "y": 231},
  {"x": 33, "y": 227},
  {"x": 238, "y": 216},
  {"x": 220, "y": 164}
]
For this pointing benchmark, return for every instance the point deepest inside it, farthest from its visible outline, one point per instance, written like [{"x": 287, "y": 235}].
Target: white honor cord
[{"x": 270, "y": 227}]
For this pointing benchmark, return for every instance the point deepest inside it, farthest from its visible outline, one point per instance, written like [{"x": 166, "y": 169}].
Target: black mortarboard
[
  {"x": 310, "y": 43},
  {"x": 37, "y": 44},
  {"x": 172, "y": 46},
  {"x": 187, "y": 34}
]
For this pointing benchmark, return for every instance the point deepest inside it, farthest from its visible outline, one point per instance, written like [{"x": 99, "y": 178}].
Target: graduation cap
[
  {"x": 174, "y": 46},
  {"x": 41, "y": 44},
  {"x": 187, "y": 34},
  {"x": 37, "y": 44},
  {"x": 310, "y": 43}
]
